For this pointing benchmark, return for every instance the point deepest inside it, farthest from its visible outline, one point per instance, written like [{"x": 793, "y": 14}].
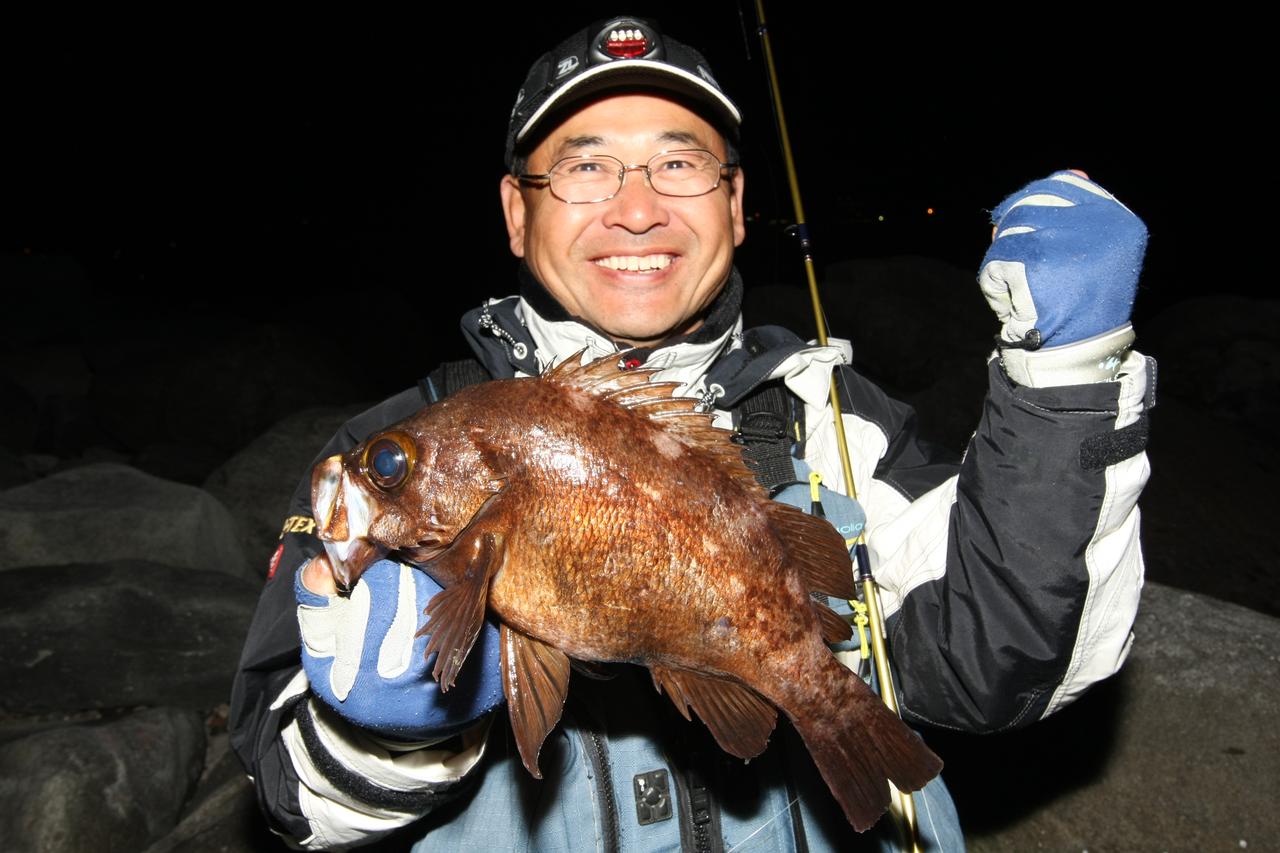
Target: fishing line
[{"x": 757, "y": 830}]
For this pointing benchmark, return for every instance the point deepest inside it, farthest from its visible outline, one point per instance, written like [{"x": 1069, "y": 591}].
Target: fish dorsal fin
[
  {"x": 738, "y": 718},
  {"x": 456, "y": 614},
  {"x": 635, "y": 390},
  {"x": 535, "y": 679},
  {"x": 815, "y": 548},
  {"x": 598, "y": 377}
]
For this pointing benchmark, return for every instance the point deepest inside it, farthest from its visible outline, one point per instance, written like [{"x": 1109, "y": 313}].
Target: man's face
[{"x": 687, "y": 243}]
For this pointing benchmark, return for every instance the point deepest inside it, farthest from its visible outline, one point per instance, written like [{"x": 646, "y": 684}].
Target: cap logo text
[{"x": 566, "y": 65}]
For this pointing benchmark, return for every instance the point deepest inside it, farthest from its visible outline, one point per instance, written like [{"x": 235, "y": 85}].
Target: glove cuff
[{"x": 1100, "y": 358}]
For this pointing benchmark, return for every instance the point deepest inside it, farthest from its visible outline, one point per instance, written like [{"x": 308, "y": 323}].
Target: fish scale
[{"x": 601, "y": 519}]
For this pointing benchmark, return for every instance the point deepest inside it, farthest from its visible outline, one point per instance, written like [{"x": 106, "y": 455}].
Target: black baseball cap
[{"x": 621, "y": 52}]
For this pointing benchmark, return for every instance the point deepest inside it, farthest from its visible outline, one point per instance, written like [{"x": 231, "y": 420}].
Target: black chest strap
[
  {"x": 768, "y": 422},
  {"x": 450, "y": 377}
]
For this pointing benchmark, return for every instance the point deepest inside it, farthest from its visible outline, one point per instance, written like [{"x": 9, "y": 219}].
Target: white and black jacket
[{"x": 1010, "y": 580}]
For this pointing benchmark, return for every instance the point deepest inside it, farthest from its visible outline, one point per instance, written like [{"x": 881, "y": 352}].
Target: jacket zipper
[{"x": 598, "y": 755}]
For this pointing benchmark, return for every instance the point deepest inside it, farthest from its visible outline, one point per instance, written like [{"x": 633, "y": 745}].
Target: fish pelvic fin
[
  {"x": 456, "y": 614},
  {"x": 535, "y": 679},
  {"x": 739, "y": 719},
  {"x": 815, "y": 549},
  {"x": 859, "y": 746}
]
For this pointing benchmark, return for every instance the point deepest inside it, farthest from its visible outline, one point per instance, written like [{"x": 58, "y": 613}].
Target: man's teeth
[{"x": 635, "y": 263}]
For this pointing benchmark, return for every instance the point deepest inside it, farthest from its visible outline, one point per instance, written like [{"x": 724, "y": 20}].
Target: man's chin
[{"x": 652, "y": 335}]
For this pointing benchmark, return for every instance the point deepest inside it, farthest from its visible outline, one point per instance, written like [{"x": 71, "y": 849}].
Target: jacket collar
[{"x": 524, "y": 335}]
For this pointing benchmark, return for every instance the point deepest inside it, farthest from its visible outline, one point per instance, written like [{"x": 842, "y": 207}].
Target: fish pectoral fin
[
  {"x": 455, "y": 615},
  {"x": 815, "y": 548},
  {"x": 739, "y": 719},
  {"x": 535, "y": 678}
]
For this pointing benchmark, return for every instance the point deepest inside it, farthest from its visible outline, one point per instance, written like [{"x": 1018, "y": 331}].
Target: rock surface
[
  {"x": 257, "y": 483},
  {"x": 94, "y": 788},
  {"x": 120, "y": 634},
  {"x": 1222, "y": 355},
  {"x": 107, "y": 511},
  {"x": 222, "y": 815},
  {"x": 933, "y": 359},
  {"x": 1178, "y": 752}
]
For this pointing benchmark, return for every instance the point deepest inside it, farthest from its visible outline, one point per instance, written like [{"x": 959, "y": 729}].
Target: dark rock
[
  {"x": 21, "y": 422},
  {"x": 188, "y": 463},
  {"x": 911, "y": 319},
  {"x": 1179, "y": 751},
  {"x": 47, "y": 297},
  {"x": 110, "y": 512},
  {"x": 13, "y": 471},
  {"x": 100, "y": 788},
  {"x": 257, "y": 483},
  {"x": 1208, "y": 506},
  {"x": 222, "y": 816},
  {"x": 920, "y": 329},
  {"x": 120, "y": 634},
  {"x": 1221, "y": 353},
  {"x": 221, "y": 394},
  {"x": 57, "y": 379}
]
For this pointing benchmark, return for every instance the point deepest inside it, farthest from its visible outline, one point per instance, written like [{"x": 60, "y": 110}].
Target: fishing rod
[{"x": 870, "y": 592}]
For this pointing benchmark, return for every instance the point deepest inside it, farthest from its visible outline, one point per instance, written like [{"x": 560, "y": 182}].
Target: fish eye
[{"x": 388, "y": 461}]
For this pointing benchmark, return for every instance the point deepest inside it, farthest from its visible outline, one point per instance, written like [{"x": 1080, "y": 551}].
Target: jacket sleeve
[
  {"x": 1010, "y": 582},
  {"x": 320, "y": 781}
]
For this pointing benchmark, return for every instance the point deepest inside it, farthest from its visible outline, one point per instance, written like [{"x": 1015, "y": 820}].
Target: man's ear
[
  {"x": 513, "y": 210},
  {"x": 736, "y": 208}
]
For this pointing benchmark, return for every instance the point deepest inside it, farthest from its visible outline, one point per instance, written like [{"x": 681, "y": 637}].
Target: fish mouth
[
  {"x": 654, "y": 262},
  {"x": 349, "y": 560},
  {"x": 342, "y": 515}
]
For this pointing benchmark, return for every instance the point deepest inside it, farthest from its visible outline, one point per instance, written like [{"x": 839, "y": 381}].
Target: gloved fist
[
  {"x": 1064, "y": 263},
  {"x": 362, "y": 658}
]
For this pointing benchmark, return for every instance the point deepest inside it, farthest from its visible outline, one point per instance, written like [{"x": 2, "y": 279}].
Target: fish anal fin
[
  {"x": 815, "y": 548},
  {"x": 738, "y": 718},
  {"x": 456, "y": 614},
  {"x": 535, "y": 681},
  {"x": 834, "y": 628}
]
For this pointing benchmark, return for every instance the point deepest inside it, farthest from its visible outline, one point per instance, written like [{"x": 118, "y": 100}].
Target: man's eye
[
  {"x": 585, "y": 167},
  {"x": 676, "y": 165}
]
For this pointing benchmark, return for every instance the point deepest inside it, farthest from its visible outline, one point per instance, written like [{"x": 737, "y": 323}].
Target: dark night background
[
  {"x": 210, "y": 224},
  {"x": 340, "y": 176}
]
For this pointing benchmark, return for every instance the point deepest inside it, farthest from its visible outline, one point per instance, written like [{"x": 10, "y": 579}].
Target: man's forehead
[
  {"x": 581, "y": 143},
  {"x": 641, "y": 122}
]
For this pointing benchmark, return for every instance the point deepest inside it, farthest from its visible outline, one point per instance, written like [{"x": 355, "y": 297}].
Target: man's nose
[{"x": 637, "y": 206}]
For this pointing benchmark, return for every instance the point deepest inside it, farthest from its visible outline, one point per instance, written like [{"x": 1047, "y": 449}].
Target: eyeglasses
[{"x": 591, "y": 178}]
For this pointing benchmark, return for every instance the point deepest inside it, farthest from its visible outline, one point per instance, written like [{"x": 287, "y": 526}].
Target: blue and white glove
[
  {"x": 362, "y": 658},
  {"x": 1062, "y": 272}
]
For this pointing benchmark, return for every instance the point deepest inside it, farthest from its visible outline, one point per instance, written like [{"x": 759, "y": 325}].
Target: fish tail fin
[{"x": 859, "y": 745}]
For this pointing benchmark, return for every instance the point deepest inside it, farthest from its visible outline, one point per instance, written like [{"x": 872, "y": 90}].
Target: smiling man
[
  {"x": 1010, "y": 581},
  {"x": 645, "y": 266}
]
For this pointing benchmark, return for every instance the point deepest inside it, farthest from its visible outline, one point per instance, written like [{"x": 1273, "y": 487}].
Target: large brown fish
[{"x": 601, "y": 519}]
